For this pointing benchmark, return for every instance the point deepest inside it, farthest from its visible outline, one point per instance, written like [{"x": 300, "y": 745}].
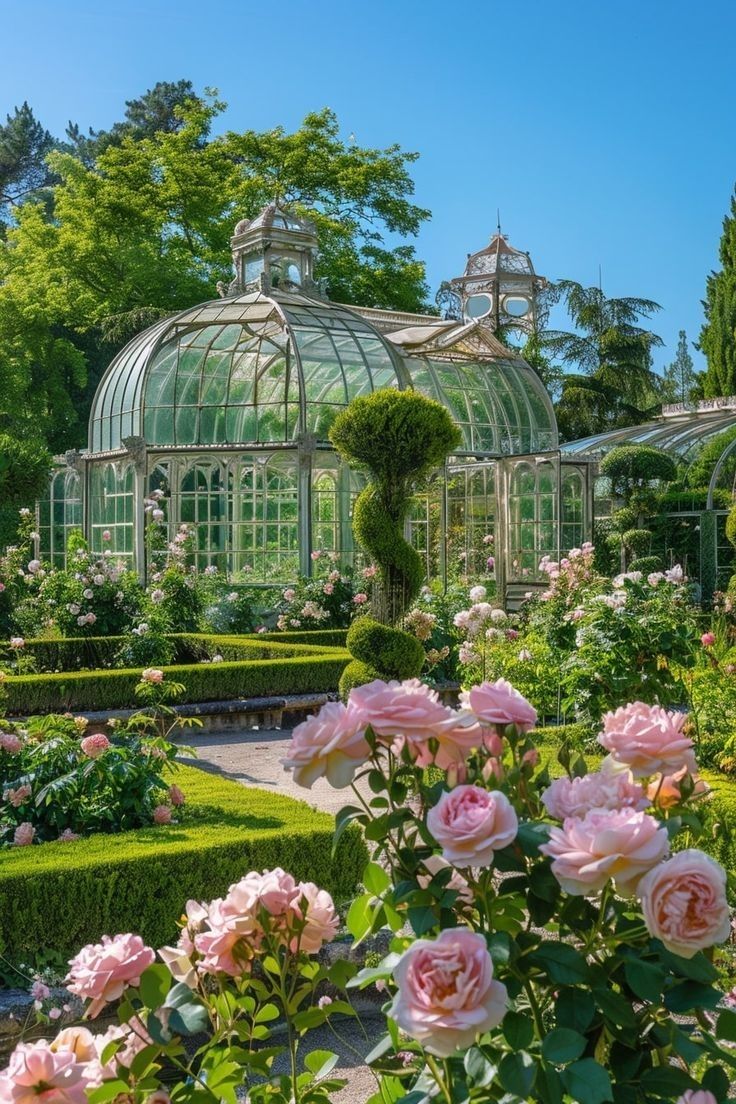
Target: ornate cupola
[
  {"x": 499, "y": 287},
  {"x": 276, "y": 249}
]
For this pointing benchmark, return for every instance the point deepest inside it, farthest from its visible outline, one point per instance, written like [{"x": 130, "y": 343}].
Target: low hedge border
[
  {"x": 319, "y": 671},
  {"x": 59, "y": 896},
  {"x": 95, "y": 652}
]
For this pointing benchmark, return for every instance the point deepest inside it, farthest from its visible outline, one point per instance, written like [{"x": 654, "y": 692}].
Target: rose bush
[
  {"x": 59, "y": 780},
  {"x": 241, "y": 962},
  {"x": 330, "y": 599},
  {"x": 550, "y": 943}
]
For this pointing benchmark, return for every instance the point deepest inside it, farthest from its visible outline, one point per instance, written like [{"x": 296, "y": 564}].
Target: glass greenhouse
[
  {"x": 702, "y": 439},
  {"x": 226, "y": 407}
]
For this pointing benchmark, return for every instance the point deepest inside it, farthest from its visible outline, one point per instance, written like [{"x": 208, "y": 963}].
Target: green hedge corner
[{"x": 60, "y": 896}]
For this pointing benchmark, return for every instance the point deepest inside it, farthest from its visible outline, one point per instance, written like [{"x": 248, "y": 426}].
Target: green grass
[{"x": 58, "y": 896}]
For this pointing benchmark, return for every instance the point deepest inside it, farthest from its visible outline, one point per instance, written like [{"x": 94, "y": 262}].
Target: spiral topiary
[{"x": 396, "y": 438}]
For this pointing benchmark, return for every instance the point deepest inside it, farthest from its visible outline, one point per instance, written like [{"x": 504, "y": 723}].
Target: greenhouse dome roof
[
  {"x": 266, "y": 368},
  {"x": 682, "y": 430}
]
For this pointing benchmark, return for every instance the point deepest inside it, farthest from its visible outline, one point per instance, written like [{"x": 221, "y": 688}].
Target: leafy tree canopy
[
  {"x": 140, "y": 225},
  {"x": 718, "y": 335}
]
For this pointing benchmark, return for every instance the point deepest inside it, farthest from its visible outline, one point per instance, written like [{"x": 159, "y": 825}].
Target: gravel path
[{"x": 252, "y": 757}]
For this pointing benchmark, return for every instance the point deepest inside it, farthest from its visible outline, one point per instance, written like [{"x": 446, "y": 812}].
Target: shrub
[
  {"x": 330, "y": 599},
  {"x": 397, "y": 437},
  {"x": 63, "y": 895},
  {"x": 317, "y": 671},
  {"x": 637, "y": 541}
]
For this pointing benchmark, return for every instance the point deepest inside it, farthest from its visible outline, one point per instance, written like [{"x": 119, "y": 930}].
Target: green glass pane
[{"x": 186, "y": 425}]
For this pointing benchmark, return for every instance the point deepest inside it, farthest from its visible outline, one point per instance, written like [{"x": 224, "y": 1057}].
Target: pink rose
[
  {"x": 697, "y": 1096},
  {"x": 447, "y": 995},
  {"x": 24, "y": 834},
  {"x": 328, "y": 588},
  {"x": 78, "y": 1041},
  {"x": 684, "y": 903},
  {"x": 605, "y": 789},
  {"x": 67, "y": 836},
  {"x": 621, "y": 844},
  {"x": 10, "y": 743},
  {"x": 176, "y": 796},
  {"x": 152, "y": 675},
  {"x": 17, "y": 642},
  {"x": 106, "y": 535},
  {"x": 94, "y": 745},
  {"x": 360, "y": 599},
  {"x": 499, "y": 704},
  {"x": 37, "y": 1073},
  {"x": 320, "y": 918},
  {"x": 273, "y": 890},
  {"x": 708, "y": 639},
  {"x": 414, "y": 715},
  {"x": 470, "y": 824},
  {"x": 666, "y": 791},
  {"x": 434, "y": 865},
  {"x": 161, "y": 814},
  {"x": 332, "y": 744},
  {"x": 647, "y": 739},
  {"x": 101, "y": 972},
  {"x": 232, "y": 935}
]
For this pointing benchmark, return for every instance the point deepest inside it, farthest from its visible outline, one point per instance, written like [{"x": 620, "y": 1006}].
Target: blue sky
[{"x": 604, "y": 131}]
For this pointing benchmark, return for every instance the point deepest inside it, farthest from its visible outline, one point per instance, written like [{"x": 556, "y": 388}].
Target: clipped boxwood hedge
[
  {"x": 99, "y": 690},
  {"x": 59, "y": 896},
  {"x": 331, "y": 637}
]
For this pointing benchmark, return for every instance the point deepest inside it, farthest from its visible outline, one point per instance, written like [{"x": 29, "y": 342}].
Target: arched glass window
[
  {"x": 471, "y": 519},
  {"x": 59, "y": 512},
  {"x": 264, "y": 537},
  {"x": 572, "y": 527},
  {"x": 325, "y": 519},
  {"x": 532, "y": 514},
  {"x": 203, "y": 504},
  {"x": 112, "y": 495}
]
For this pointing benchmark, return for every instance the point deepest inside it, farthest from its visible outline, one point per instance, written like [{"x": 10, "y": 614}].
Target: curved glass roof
[
  {"x": 683, "y": 434},
  {"x": 258, "y": 369}
]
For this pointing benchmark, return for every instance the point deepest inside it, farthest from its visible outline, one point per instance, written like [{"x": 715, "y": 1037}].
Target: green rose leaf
[
  {"x": 575, "y": 1008},
  {"x": 587, "y": 1082},
  {"x": 516, "y": 1074},
  {"x": 154, "y": 985},
  {"x": 518, "y": 1029},
  {"x": 562, "y": 962},
  {"x": 563, "y": 1045}
]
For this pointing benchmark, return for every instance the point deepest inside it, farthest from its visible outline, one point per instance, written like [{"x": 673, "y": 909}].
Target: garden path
[{"x": 252, "y": 757}]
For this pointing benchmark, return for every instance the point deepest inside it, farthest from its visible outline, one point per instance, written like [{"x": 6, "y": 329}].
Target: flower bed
[{"x": 61, "y": 895}]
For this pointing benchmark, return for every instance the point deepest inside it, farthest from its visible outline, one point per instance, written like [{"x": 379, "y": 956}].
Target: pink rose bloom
[
  {"x": 24, "y": 834},
  {"x": 359, "y": 599},
  {"x": 176, "y": 796},
  {"x": 708, "y": 639},
  {"x": 607, "y": 788},
  {"x": 328, "y": 588},
  {"x": 78, "y": 1041},
  {"x": 647, "y": 739},
  {"x": 321, "y": 920},
  {"x": 67, "y": 836},
  {"x": 369, "y": 572},
  {"x": 95, "y": 745},
  {"x": 18, "y": 796},
  {"x": 499, "y": 704},
  {"x": 447, "y": 995},
  {"x": 152, "y": 675},
  {"x": 434, "y": 865},
  {"x": 10, "y": 743},
  {"x": 162, "y": 814},
  {"x": 664, "y": 792},
  {"x": 470, "y": 824},
  {"x": 621, "y": 844},
  {"x": 39, "y": 991},
  {"x": 106, "y": 535},
  {"x": 273, "y": 890},
  {"x": 414, "y": 715},
  {"x": 17, "y": 642},
  {"x": 331, "y": 744},
  {"x": 232, "y": 934},
  {"x": 101, "y": 972},
  {"x": 289, "y": 594},
  {"x": 36, "y": 1074},
  {"x": 315, "y": 555},
  {"x": 697, "y": 1096},
  {"x": 684, "y": 903}
]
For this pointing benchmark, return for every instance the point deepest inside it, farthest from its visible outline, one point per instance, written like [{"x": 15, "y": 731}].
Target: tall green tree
[
  {"x": 614, "y": 383},
  {"x": 718, "y": 335},
  {"x": 144, "y": 230},
  {"x": 680, "y": 380},
  {"x": 24, "y": 145}
]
